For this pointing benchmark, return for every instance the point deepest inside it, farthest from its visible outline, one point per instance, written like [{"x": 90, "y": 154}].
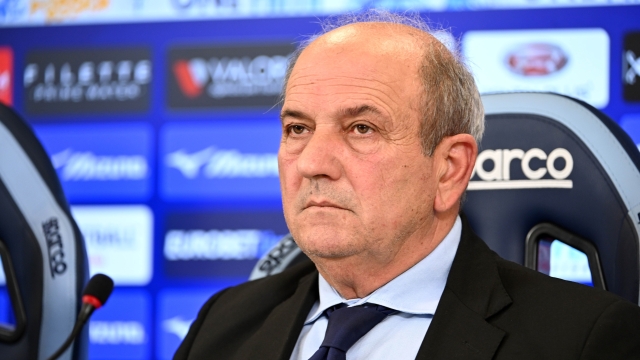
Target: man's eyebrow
[
  {"x": 359, "y": 110},
  {"x": 293, "y": 113}
]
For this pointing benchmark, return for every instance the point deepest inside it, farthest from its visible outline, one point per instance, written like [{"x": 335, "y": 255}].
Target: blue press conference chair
[
  {"x": 550, "y": 168},
  {"x": 42, "y": 249}
]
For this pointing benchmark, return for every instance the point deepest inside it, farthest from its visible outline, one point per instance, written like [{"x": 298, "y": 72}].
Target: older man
[{"x": 380, "y": 129}]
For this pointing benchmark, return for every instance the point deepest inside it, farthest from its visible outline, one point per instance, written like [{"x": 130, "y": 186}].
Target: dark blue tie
[{"x": 346, "y": 326}]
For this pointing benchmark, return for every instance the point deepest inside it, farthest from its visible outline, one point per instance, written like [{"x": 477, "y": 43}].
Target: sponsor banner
[
  {"x": 528, "y": 4},
  {"x": 569, "y": 263},
  {"x": 5, "y": 307},
  {"x": 13, "y": 11},
  {"x": 97, "y": 162},
  {"x": 87, "y": 81},
  {"x": 3, "y": 278},
  {"x": 631, "y": 124},
  {"x": 6, "y": 76},
  {"x": 220, "y": 161},
  {"x": 631, "y": 67},
  {"x": 177, "y": 309},
  {"x": 497, "y": 169},
  {"x": 226, "y": 76},
  {"x": 572, "y": 62},
  {"x": 119, "y": 241},
  {"x": 122, "y": 327},
  {"x": 47, "y": 12},
  {"x": 220, "y": 245}
]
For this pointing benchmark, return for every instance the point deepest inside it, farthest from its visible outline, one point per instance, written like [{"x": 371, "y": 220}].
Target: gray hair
[{"x": 451, "y": 102}]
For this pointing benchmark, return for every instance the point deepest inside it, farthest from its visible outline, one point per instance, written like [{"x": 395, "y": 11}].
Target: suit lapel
[
  {"x": 474, "y": 292},
  {"x": 278, "y": 335}
]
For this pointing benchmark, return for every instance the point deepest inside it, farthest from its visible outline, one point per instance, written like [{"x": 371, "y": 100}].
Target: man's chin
[{"x": 327, "y": 249}]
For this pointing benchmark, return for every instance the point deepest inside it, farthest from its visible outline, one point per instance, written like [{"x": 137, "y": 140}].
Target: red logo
[
  {"x": 537, "y": 59},
  {"x": 6, "y": 76},
  {"x": 191, "y": 76}
]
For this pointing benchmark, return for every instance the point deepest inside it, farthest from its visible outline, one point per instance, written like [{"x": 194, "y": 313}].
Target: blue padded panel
[{"x": 44, "y": 243}]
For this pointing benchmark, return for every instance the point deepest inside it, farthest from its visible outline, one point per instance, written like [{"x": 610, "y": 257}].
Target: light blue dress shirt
[{"x": 414, "y": 294}]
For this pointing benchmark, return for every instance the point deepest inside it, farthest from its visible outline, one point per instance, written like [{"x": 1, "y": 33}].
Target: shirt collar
[{"x": 415, "y": 291}]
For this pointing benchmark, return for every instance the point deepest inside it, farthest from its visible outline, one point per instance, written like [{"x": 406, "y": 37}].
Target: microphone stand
[{"x": 85, "y": 312}]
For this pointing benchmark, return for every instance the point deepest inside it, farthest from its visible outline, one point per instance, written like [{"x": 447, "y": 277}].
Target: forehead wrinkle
[
  {"x": 296, "y": 114},
  {"x": 379, "y": 94},
  {"x": 343, "y": 77}
]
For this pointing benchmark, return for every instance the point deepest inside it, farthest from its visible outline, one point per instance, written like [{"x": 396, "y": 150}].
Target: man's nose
[{"x": 320, "y": 156}]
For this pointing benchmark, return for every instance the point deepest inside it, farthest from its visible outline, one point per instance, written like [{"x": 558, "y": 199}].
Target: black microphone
[{"x": 95, "y": 295}]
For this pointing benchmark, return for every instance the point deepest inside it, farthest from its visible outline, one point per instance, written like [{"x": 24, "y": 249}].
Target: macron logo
[
  {"x": 85, "y": 166},
  {"x": 177, "y": 326},
  {"x": 212, "y": 163},
  {"x": 499, "y": 177}
]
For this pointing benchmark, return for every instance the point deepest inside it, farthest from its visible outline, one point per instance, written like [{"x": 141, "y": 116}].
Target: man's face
[{"x": 353, "y": 176}]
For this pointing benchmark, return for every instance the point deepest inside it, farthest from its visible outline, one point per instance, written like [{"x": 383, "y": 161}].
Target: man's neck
[{"x": 359, "y": 275}]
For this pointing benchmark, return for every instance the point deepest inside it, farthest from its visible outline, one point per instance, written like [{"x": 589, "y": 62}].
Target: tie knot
[{"x": 347, "y": 325}]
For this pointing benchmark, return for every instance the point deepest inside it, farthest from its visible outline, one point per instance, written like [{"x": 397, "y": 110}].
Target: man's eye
[
  {"x": 362, "y": 129},
  {"x": 296, "y": 129}
]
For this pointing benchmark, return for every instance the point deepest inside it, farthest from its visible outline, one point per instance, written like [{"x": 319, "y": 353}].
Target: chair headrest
[{"x": 550, "y": 158}]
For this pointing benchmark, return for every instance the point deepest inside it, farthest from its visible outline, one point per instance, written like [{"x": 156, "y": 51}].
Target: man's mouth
[{"x": 322, "y": 204}]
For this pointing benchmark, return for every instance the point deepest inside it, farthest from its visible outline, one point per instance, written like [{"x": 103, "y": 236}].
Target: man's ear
[{"x": 454, "y": 159}]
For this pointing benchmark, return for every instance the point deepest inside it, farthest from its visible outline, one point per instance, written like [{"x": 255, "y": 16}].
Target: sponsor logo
[
  {"x": 6, "y": 76},
  {"x": 281, "y": 255},
  {"x": 57, "y": 265},
  {"x": 119, "y": 241},
  {"x": 631, "y": 67},
  {"x": 12, "y": 10},
  {"x": 57, "y": 10},
  {"x": 96, "y": 80},
  {"x": 190, "y": 4},
  {"x": 177, "y": 326},
  {"x": 537, "y": 59},
  {"x": 244, "y": 244},
  {"x": 223, "y": 164},
  {"x": 573, "y": 62},
  {"x": 101, "y": 161},
  {"x": 85, "y": 165},
  {"x": 206, "y": 161},
  {"x": 226, "y": 76},
  {"x": 121, "y": 329},
  {"x": 177, "y": 308},
  {"x": 499, "y": 177},
  {"x": 116, "y": 332},
  {"x": 219, "y": 245}
]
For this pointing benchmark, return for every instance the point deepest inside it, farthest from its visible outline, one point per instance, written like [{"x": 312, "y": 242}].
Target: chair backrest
[
  {"x": 43, "y": 253},
  {"x": 547, "y": 161}
]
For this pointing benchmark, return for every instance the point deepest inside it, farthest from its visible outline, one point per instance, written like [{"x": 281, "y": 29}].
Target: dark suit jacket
[{"x": 490, "y": 309}]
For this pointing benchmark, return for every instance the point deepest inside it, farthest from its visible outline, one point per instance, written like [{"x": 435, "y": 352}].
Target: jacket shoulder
[
  {"x": 269, "y": 290},
  {"x": 524, "y": 284},
  {"x": 566, "y": 319},
  {"x": 230, "y": 319}
]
